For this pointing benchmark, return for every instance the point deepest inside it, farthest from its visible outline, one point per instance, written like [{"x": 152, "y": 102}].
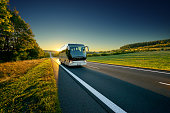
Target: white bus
[{"x": 73, "y": 54}]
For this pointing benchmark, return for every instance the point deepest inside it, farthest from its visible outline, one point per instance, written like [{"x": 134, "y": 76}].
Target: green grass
[
  {"x": 35, "y": 91},
  {"x": 154, "y": 60}
]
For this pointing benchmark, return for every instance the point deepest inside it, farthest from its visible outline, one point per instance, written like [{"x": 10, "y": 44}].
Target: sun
[{"x": 58, "y": 50}]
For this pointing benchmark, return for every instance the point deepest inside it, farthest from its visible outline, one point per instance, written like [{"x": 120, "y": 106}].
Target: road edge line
[
  {"x": 97, "y": 94},
  {"x": 135, "y": 68}
]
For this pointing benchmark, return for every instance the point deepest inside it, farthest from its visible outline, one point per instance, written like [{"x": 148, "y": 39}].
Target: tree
[
  {"x": 6, "y": 29},
  {"x": 16, "y": 37}
]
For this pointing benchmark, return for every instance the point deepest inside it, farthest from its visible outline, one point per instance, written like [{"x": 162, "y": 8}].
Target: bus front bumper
[{"x": 77, "y": 63}]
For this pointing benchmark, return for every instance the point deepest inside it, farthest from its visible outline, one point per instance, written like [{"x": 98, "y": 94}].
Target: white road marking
[
  {"x": 101, "y": 97},
  {"x": 164, "y": 83},
  {"x": 132, "y": 68},
  {"x": 93, "y": 67}
]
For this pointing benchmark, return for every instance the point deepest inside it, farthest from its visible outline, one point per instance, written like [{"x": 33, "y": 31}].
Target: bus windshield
[{"x": 77, "y": 51}]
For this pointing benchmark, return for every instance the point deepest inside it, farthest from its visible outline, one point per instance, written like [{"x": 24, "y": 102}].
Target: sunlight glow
[
  {"x": 58, "y": 61},
  {"x": 58, "y": 50}
]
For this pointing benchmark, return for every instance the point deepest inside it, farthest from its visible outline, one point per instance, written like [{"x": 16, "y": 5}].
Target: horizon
[
  {"x": 107, "y": 50},
  {"x": 101, "y": 25}
]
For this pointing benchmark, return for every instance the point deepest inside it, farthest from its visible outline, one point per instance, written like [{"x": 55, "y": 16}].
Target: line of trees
[
  {"x": 158, "y": 43},
  {"x": 16, "y": 37}
]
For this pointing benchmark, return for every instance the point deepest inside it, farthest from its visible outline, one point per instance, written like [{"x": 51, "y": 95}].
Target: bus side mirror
[
  {"x": 87, "y": 47},
  {"x": 68, "y": 47}
]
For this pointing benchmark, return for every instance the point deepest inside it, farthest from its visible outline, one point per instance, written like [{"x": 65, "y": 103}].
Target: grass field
[
  {"x": 13, "y": 70},
  {"x": 34, "y": 91},
  {"x": 154, "y": 60}
]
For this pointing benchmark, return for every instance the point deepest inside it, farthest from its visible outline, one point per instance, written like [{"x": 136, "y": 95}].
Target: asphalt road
[{"x": 134, "y": 90}]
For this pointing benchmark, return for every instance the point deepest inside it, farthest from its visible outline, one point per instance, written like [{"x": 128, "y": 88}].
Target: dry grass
[
  {"x": 33, "y": 92},
  {"x": 16, "y": 69}
]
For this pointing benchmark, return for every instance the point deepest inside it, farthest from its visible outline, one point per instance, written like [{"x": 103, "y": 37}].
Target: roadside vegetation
[
  {"x": 32, "y": 89},
  {"x": 28, "y": 85},
  {"x": 151, "y": 59}
]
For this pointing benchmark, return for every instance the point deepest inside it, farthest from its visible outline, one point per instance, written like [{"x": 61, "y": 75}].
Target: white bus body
[{"x": 73, "y": 54}]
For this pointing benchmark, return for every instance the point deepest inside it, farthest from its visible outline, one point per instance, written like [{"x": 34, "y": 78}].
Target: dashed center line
[{"x": 164, "y": 83}]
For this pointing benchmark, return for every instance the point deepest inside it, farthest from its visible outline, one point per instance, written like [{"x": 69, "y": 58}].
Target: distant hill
[{"x": 150, "y": 44}]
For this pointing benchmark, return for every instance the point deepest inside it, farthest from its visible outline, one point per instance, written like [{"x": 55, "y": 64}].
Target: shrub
[{"x": 105, "y": 54}]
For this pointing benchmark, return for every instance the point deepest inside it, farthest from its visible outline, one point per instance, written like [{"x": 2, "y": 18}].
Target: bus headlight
[{"x": 71, "y": 61}]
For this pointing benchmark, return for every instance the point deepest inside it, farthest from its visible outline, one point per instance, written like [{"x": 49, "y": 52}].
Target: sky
[{"x": 100, "y": 24}]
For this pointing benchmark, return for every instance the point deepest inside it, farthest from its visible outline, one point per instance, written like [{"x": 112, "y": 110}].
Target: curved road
[{"x": 134, "y": 90}]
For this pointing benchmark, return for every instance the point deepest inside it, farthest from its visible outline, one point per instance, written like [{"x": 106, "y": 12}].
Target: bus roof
[
  {"x": 65, "y": 46},
  {"x": 75, "y": 44}
]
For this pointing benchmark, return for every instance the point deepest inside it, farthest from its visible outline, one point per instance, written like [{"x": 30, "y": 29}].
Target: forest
[
  {"x": 158, "y": 43},
  {"x": 16, "y": 37}
]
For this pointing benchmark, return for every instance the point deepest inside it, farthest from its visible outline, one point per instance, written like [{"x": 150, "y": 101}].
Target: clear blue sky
[{"x": 100, "y": 24}]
